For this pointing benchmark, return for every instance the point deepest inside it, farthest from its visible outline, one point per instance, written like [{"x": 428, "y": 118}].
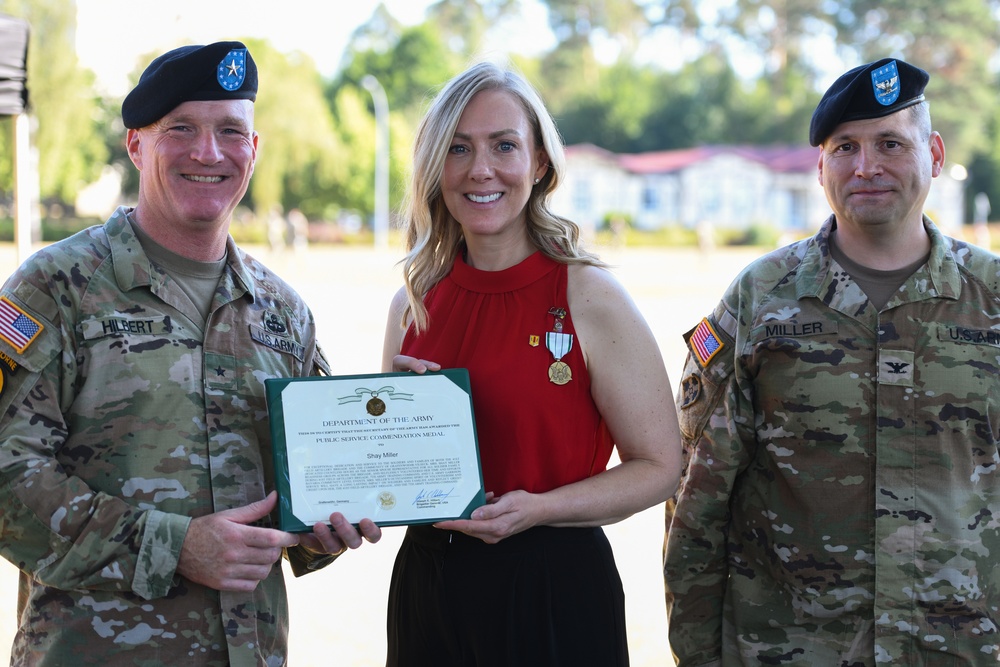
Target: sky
[{"x": 111, "y": 34}]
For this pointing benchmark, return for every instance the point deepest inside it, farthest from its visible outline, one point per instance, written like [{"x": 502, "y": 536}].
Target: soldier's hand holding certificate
[{"x": 397, "y": 448}]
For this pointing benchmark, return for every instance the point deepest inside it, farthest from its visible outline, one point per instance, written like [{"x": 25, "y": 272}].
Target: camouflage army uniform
[
  {"x": 119, "y": 422},
  {"x": 841, "y": 504}
]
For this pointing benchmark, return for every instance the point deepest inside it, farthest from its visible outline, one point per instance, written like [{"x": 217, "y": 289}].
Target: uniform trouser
[{"x": 547, "y": 597}]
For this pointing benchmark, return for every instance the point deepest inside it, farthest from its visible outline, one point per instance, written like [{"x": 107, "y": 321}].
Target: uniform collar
[
  {"x": 819, "y": 276},
  {"x": 133, "y": 269}
]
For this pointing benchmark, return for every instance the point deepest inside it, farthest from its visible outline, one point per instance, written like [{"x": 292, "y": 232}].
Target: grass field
[{"x": 338, "y": 613}]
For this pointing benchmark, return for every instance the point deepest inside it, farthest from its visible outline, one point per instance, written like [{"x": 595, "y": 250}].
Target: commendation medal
[
  {"x": 375, "y": 406},
  {"x": 559, "y": 344}
]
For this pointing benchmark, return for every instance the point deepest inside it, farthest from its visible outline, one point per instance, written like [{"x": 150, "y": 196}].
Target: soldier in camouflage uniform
[
  {"x": 840, "y": 410},
  {"x": 134, "y": 440}
]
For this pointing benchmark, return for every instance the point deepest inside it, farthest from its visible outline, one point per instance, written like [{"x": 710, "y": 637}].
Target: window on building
[{"x": 650, "y": 198}]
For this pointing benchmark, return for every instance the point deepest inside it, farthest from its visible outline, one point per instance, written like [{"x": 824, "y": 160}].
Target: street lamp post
[{"x": 381, "y": 223}]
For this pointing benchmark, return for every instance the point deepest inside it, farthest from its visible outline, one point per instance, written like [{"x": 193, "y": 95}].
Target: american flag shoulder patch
[
  {"x": 705, "y": 342},
  {"x": 17, "y": 327}
]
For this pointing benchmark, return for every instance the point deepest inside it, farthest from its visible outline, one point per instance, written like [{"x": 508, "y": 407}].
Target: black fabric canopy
[{"x": 13, "y": 65}]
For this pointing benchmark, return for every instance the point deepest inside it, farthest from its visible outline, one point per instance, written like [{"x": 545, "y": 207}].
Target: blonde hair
[{"x": 433, "y": 236}]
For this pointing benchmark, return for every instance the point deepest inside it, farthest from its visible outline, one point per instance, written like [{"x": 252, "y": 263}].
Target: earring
[{"x": 536, "y": 181}]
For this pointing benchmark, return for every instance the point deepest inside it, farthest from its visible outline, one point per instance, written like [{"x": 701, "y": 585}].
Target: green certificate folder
[{"x": 396, "y": 448}]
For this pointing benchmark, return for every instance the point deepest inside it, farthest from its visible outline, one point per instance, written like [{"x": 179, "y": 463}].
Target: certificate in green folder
[{"x": 396, "y": 448}]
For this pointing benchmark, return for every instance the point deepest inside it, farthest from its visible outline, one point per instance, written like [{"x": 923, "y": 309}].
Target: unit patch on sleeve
[
  {"x": 7, "y": 367},
  {"x": 17, "y": 327}
]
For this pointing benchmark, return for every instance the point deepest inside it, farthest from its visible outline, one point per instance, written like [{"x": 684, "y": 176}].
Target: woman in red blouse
[{"x": 564, "y": 369}]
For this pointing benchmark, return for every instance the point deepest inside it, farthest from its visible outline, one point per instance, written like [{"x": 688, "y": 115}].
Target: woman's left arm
[{"x": 630, "y": 386}]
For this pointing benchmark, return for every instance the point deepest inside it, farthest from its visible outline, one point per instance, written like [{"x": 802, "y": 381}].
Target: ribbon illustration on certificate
[{"x": 396, "y": 448}]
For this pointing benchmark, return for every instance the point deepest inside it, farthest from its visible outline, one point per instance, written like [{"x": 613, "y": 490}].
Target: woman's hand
[
  {"x": 499, "y": 518},
  {"x": 401, "y": 363}
]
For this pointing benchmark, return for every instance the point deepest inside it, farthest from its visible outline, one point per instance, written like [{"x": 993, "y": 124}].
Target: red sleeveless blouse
[{"x": 533, "y": 434}]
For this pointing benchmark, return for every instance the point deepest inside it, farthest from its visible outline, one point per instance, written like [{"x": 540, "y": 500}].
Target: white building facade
[{"x": 722, "y": 187}]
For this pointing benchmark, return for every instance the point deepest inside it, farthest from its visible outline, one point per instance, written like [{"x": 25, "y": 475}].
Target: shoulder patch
[
  {"x": 705, "y": 342},
  {"x": 17, "y": 327},
  {"x": 690, "y": 391}
]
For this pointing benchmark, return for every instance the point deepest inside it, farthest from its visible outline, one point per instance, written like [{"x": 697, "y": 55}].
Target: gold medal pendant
[
  {"x": 560, "y": 373},
  {"x": 559, "y": 344},
  {"x": 375, "y": 407}
]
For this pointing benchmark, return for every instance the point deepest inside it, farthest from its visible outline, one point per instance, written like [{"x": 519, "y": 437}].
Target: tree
[
  {"x": 376, "y": 49},
  {"x": 463, "y": 24},
  {"x": 572, "y": 65},
  {"x": 984, "y": 168},
  {"x": 696, "y": 106},
  {"x": 299, "y": 156},
  {"x": 67, "y": 134},
  {"x": 954, "y": 41},
  {"x": 613, "y": 116},
  {"x": 429, "y": 64}
]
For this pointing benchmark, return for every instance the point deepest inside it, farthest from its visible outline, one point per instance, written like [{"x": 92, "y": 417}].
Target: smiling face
[
  {"x": 195, "y": 165},
  {"x": 491, "y": 167},
  {"x": 877, "y": 172}
]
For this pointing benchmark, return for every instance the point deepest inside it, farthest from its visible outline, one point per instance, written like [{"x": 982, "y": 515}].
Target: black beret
[
  {"x": 869, "y": 91},
  {"x": 219, "y": 71}
]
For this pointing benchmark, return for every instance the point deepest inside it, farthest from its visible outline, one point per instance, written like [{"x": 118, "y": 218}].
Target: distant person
[
  {"x": 840, "y": 410},
  {"x": 981, "y": 219},
  {"x": 564, "y": 370},
  {"x": 299, "y": 226},
  {"x": 135, "y": 453},
  {"x": 277, "y": 230}
]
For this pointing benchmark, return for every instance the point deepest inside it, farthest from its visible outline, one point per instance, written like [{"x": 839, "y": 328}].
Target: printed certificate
[{"x": 396, "y": 448}]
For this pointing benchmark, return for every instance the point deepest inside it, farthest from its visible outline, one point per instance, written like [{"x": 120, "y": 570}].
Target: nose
[
  {"x": 205, "y": 149},
  {"x": 868, "y": 162},
  {"x": 482, "y": 166}
]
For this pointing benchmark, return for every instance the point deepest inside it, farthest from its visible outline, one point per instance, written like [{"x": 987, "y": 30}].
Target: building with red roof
[{"x": 718, "y": 187}]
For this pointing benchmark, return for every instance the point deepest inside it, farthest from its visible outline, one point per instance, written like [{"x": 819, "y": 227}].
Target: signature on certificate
[{"x": 432, "y": 497}]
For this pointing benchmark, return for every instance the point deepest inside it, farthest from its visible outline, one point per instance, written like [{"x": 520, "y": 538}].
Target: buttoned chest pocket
[
  {"x": 812, "y": 384},
  {"x": 127, "y": 357}
]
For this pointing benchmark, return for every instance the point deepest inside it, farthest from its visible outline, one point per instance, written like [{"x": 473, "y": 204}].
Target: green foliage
[
  {"x": 318, "y": 136},
  {"x": 66, "y": 131},
  {"x": 299, "y": 156},
  {"x": 694, "y": 105},
  {"x": 705, "y": 102},
  {"x": 616, "y": 219},
  {"x": 53, "y": 229},
  {"x": 758, "y": 234},
  {"x": 952, "y": 40},
  {"x": 670, "y": 236},
  {"x": 429, "y": 63},
  {"x": 6, "y": 154},
  {"x": 463, "y": 24},
  {"x": 984, "y": 171},
  {"x": 56, "y": 229},
  {"x": 407, "y": 89},
  {"x": 613, "y": 115}
]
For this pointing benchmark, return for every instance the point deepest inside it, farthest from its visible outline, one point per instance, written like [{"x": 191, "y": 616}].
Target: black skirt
[{"x": 547, "y": 597}]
